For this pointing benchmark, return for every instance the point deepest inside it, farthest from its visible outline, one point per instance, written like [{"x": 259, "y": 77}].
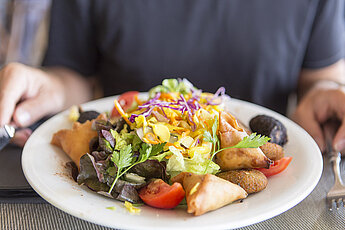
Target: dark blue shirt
[{"x": 255, "y": 49}]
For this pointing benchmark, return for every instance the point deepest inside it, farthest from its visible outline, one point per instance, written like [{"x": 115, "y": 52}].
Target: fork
[{"x": 336, "y": 195}]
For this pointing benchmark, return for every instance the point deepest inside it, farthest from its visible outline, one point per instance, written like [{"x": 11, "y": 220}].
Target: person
[{"x": 260, "y": 51}]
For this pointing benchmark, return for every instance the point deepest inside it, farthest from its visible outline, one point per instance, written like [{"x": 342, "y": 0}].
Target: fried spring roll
[
  {"x": 230, "y": 134},
  {"x": 208, "y": 192},
  {"x": 75, "y": 142}
]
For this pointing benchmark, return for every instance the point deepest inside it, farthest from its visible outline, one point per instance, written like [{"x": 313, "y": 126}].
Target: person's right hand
[{"x": 26, "y": 95}]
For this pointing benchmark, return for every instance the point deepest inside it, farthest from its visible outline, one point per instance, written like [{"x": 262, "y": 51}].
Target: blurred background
[{"x": 23, "y": 30}]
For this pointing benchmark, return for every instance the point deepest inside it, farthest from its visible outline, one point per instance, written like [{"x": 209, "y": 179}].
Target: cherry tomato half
[
  {"x": 277, "y": 167},
  {"x": 159, "y": 194},
  {"x": 126, "y": 101}
]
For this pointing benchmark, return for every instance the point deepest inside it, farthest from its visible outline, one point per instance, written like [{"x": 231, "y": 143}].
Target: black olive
[
  {"x": 271, "y": 127},
  {"x": 87, "y": 116}
]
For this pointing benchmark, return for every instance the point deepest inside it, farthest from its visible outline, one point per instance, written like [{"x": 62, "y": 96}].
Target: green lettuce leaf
[
  {"x": 120, "y": 141},
  {"x": 124, "y": 138},
  {"x": 177, "y": 163},
  {"x": 156, "y": 89},
  {"x": 160, "y": 157},
  {"x": 171, "y": 84},
  {"x": 151, "y": 169}
]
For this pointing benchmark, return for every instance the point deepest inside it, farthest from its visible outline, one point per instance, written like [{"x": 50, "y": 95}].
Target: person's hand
[
  {"x": 26, "y": 95},
  {"x": 324, "y": 101}
]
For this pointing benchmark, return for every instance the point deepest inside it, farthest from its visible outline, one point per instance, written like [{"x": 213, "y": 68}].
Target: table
[{"x": 35, "y": 213}]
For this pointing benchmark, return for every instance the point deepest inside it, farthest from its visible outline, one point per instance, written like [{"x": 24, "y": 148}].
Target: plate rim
[{"x": 259, "y": 218}]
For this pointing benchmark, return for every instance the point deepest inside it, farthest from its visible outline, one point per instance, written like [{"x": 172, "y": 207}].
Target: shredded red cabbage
[
  {"x": 190, "y": 106},
  {"x": 217, "y": 98},
  {"x": 198, "y": 141},
  {"x": 165, "y": 115},
  {"x": 150, "y": 105},
  {"x": 185, "y": 107}
]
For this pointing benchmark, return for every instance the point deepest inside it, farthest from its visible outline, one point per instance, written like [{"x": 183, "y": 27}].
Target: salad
[{"x": 178, "y": 143}]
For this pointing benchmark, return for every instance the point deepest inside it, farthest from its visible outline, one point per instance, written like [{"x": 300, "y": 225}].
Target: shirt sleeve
[
  {"x": 326, "y": 41},
  {"x": 72, "y": 41}
]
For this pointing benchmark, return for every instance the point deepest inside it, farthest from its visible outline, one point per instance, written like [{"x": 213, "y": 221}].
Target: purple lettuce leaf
[
  {"x": 93, "y": 174},
  {"x": 107, "y": 135},
  {"x": 88, "y": 175},
  {"x": 151, "y": 169}
]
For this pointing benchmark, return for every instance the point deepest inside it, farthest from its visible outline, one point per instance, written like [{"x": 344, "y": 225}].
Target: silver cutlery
[
  {"x": 6, "y": 134},
  {"x": 336, "y": 195}
]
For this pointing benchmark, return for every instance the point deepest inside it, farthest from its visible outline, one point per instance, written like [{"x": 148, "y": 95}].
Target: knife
[{"x": 6, "y": 134}]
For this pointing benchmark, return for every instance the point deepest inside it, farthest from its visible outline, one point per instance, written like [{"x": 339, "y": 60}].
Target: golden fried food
[
  {"x": 236, "y": 158},
  {"x": 208, "y": 192},
  {"x": 251, "y": 180},
  {"x": 273, "y": 151},
  {"x": 75, "y": 142},
  {"x": 243, "y": 126}
]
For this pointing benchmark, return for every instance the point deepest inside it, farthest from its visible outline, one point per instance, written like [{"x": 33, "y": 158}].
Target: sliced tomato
[
  {"x": 159, "y": 194},
  {"x": 277, "y": 167},
  {"x": 126, "y": 101}
]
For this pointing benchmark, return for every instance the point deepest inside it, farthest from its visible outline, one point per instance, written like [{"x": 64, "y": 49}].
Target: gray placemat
[
  {"x": 311, "y": 213},
  {"x": 12, "y": 178},
  {"x": 11, "y": 174},
  {"x": 40, "y": 216}
]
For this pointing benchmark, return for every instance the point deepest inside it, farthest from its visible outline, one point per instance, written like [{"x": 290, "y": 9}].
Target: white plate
[{"x": 43, "y": 166}]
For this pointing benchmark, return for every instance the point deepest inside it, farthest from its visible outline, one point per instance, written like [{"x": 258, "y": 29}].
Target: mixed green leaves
[
  {"x": 89, "y": 174},
  {"x": 119, "y": 162},
  {"x": 124, "y": 159},
  {"x": 252, "y": 141},
  {"x": 150, "y": 169},
  {"x": 172, "y": 85}
]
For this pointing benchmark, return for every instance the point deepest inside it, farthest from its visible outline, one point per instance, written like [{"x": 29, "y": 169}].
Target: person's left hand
[{"x": 324, "y": 101}]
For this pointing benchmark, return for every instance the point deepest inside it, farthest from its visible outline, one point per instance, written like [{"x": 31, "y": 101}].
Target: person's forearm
[
  {"x": 77, "y": 89},
  {"x": 321, "y": 97},
  {"x": 310, "y": 77}
]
